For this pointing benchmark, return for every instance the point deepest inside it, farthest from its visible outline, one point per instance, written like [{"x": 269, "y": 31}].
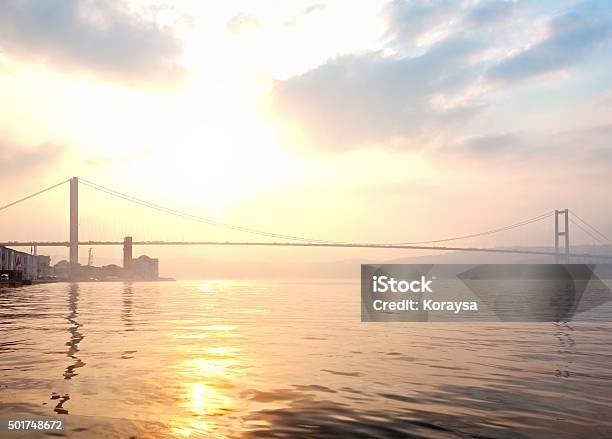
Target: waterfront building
[
  {"x": 145, "y": 267},
  {"x": 31, "y": 266}
]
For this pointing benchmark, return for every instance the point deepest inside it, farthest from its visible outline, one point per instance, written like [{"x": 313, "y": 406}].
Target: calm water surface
[{"x": 262, "y": 359}]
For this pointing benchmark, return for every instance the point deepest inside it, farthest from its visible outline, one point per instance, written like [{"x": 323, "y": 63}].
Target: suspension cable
[
  {"x": 198, "y": 218},
  {"x": 596, "y": 238},
  {"x": 488, "y": 232},
  {"x": 591, "y": 227},
  {"x": 292, "y": 237},
  {"x": 35, "y": 194}
]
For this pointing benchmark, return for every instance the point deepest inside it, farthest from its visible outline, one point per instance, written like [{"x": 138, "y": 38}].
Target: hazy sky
[{"x": 371, "y": 121}]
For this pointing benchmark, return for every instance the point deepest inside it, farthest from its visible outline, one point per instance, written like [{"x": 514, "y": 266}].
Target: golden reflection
[
  {"x": 208, "y": 377},
  {"x": 209, "y": 368},
  {"x": 219, "y": 351},
  {"x": 206, "y": 400},
  {"x": 215, "y": 327},
  {"x": 207, "y": 331},
  {"x": 212, "y": 286}
]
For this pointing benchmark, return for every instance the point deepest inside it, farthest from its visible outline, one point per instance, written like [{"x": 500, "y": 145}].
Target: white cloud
[{"x": 100, "y": 36}]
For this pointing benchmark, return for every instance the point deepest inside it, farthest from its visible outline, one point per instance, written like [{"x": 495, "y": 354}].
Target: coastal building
[
  {"x": 144, "y": 267},
  {"x": 30, "y": 267},
  {"x": 43, "y": 266}
]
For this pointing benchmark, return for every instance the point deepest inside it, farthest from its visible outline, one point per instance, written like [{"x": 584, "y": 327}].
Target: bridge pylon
[
  {"x": 127, "y": 254},
  {"x": 562, "y": 233},
  {"x": 74, "y": 226}
]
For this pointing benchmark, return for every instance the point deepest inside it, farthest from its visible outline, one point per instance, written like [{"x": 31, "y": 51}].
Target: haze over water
[{"x": 262, "y": 359}]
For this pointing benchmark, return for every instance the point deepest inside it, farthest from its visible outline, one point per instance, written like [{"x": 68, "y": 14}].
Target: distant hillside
[
  {"x": 351, "y": 268},
  {"x": 500, "y": 258},
  {"x": 197, "y": 267}
]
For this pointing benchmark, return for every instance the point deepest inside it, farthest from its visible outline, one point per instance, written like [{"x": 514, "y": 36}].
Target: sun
[{"x": 216, "y": 155}]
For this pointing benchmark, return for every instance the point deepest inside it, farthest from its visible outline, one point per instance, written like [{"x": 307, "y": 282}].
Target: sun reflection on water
[
  {"x": 208, "y": 375},
  {"x": 167, "y": 360}
]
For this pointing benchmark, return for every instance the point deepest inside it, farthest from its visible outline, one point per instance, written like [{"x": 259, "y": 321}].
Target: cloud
[
  {"x": 99, "y": 36},
  {"x": 492, "y": 144},
  {"x": 408, "y": 20},
  {"x": 361, "y": 98},
  {"x": 491, "y": 12},
  {"x": 582, "y": 146},
  {"x": 441, "y": 64},
  {"x": 18, "y": 159},
  {"x": 591, "y": 144},
  {"x": 571, "y": 36}
]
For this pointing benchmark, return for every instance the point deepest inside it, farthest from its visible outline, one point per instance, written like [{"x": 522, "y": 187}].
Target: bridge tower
[
  {"x": 127, "y": 254},
  {"x": 74, "y": 225},
  {"x": 564, "y": 234}
]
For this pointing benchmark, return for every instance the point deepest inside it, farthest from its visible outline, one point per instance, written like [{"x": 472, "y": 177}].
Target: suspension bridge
[{"x": 562, "y": 220}]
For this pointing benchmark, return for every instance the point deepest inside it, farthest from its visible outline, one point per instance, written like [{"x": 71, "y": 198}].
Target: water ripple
[{"x": 256, "y": 359}]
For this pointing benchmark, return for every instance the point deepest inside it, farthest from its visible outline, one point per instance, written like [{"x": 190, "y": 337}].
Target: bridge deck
[{"x": 302, "y": 244}]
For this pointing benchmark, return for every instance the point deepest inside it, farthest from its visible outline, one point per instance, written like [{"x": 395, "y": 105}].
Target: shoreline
[{"x": 17, "y": 284}]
